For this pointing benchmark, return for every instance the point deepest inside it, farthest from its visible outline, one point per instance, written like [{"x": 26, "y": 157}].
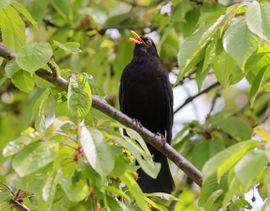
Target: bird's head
[{"x": 143, "y": 45}]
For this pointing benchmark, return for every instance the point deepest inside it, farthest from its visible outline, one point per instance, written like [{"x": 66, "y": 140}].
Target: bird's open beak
[{"x": 137, "y": 39}]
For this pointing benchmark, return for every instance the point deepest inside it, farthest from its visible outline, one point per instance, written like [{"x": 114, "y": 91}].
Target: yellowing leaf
[{"x": 265, "y": 134}]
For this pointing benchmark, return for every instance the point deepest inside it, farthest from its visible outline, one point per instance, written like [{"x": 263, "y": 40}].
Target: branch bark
[{"x": 107, "y": 109}]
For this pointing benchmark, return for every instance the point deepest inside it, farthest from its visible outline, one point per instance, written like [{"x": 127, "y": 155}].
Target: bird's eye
[{"x": 148, "y": 42}]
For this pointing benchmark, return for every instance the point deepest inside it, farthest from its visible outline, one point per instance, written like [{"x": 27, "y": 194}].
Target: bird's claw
[{"x": 137, "y": 123}]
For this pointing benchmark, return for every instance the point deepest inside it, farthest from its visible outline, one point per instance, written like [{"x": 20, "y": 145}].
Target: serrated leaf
[
  {"x": 250, "y": 166},
  {"x": 13, "y": 32},
  {"x": 75, "y": 189},
  {"x": 49, "y": 189},
  {"x": 79, "y": 96},
  {"x": 235, "y": 126},
  {"x": 136, "y": 136},
  {"x": 11, "y": 68},
  {"x": 69, "y": 47},
  {"x": 63, "y": 8},
  {"x": 258, "y": 19},
  {"x": 256, "y": 85},
  {"x": 38, "y": 9},
  {"x": 19, "y": 143},
  {"x": 242, "y": 203},
  {"x": 239, "y": 42},
  {"x": 227, "y": 158},
  {"x": 34, "y": 55},
  {"x": 165, "y": 196},
  {"x": 135, "y": 191},
  {"x": 19, "y": 7},
  {"x": 225, "y": 68},
  {"x": 33, "y": 157},
  {"x": 23, "y": 81},
  {"x": 144, "y": 159},
  {"x": 208, "y": 187},
  {"x": 191, "y": 51},
  {"x": 212, "y": 198},
  {"x": 97, "y": 151}
]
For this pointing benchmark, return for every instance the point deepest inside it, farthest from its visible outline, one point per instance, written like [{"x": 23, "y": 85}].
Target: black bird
[{"x": 146, "y": 95}]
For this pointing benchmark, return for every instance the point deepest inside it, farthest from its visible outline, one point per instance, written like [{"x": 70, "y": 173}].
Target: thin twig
[
  {"x": 214, "y": 100},
  {"x": 190, "y": 99},
  {"x": 107, "y": 109},
  {"x": 19, "y": 206},
  {"x": 192, "y": 104}
]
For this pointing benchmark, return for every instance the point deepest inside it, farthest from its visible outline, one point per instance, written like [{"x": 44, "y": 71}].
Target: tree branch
[
  {"x": 19, "y": 206},
  {"x": 190, "y": 99},
  {"x": 101, "y": 105}
]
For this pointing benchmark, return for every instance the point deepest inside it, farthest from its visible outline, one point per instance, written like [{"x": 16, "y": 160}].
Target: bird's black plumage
[{"x": 146, "y": 95}]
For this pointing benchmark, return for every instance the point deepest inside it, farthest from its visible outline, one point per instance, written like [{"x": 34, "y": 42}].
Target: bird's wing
[{"x": 169, "y": 106}]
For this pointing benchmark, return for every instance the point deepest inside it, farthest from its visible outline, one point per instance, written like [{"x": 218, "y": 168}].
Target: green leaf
[
  {"x": 203, "y": 68},
  {"x": 240, "y": 49},
  {"x": 135, "y": 191},
  {"x": 19, "y": 143},
  {"x": 11, "y": 68},
  {"x": 88, "y": 172},
  {"x": 144, "y": 158},
  {"x": 212, "y": 198},
  {"x": 235, "y": 188},
  {"x": 64, "y": 8},
  {"x": 225, "y": 68},
  {"x": 33, "y": 157},
  {"x": 116, "y": 191},
  {"x": 3, "y": 80},
  {"x": 258, "y": 19},
  {"x": 267, "y": 149},
  {"x": 76, "y": 189},
  {"x": 12, "y": 28},
  {"x": 202, "y": 151},
  {"x": 235, "y": 126},
  {"x": 5, "y": 196},
  {"x": 79, "y": 96},
  {"x": 165, "y": 196},
  {"x": 38, "y": 9},
  {"x": 69, "y": 47},
  {"x": 242, "y": 203},
  {"x": 136, "y": 136},
  {"x": 34, "y": 55},
  {"x": 209, "y": 186},
  {"x": 46, "y": 110},
  {"x": 113, "y": 204},
  {"x": 96, "y": 150},
  {"x": 19, "y": 7},
  {"x": 227, "y": 158},
  {"x": 180, "y": 11},
  {"x": 4, "y": 3},
  {"x": 250, "y": 166},
  {"x": 256, "y": 85},
  {"x": 49, "y": 189},
  {"x": 23, "y": 81},
  {"x": 192, "y": 50}
]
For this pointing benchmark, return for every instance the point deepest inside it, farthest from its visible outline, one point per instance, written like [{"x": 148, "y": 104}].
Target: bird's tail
[{"x": 164, "y": 181}]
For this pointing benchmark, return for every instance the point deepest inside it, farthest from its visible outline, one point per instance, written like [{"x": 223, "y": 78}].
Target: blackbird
[{"x": 146, "y": 96}]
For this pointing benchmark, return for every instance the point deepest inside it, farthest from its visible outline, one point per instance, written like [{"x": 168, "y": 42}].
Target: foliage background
[{"x": 58, "y": 152}]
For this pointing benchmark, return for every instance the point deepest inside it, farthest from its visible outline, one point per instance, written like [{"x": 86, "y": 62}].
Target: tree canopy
[{"x": 61, "y": 140}]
